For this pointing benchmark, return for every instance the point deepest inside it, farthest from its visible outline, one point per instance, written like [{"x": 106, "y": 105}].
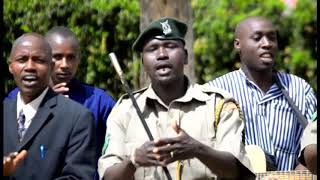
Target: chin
[
  {"x": 31, "y": 92},
  {"x": 167, "y": 80},
  {"x": 60, "y": 80}
]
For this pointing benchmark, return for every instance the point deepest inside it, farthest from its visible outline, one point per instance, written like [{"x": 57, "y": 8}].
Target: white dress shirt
[{"x": 29, "y": 109}]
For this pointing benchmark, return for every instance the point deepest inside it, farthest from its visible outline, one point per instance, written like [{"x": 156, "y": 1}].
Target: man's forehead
[
  {"x": 31, "y": 42},
  {"x": 21, "y": 49},
  {"x": 60, "y": 39},
  {"x": 26, "y": 43},
  {"x": 257, "y": 25}
]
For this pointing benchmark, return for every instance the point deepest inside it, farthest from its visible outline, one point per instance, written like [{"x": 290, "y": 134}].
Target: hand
[
  {"x": 60, "y": 88},
  {"x": 179, "y": 148},
  {"x": 300, "y": 167},
  {"x": 12, "y": 161},
  {"x": 145, "y": 156}
]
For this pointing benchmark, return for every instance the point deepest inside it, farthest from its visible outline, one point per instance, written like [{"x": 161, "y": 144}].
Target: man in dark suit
[{"x": 58, "y": 133}]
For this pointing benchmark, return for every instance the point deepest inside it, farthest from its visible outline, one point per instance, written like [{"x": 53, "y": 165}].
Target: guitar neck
[{"x": 287, "y": 175}]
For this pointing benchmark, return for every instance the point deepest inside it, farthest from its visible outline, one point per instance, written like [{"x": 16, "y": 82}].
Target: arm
[
  {"x": 230, "y": 139},
  {"x": 123, "y": 170},
  {"x": 115, "y": 162},
  {"x": 111, "y": 164},
  {"x": 80, "y": 153},
  {"x": 222, "y": 163},
  {"x": 308, "y": 154},
  {"x": 310, "y": 157}
]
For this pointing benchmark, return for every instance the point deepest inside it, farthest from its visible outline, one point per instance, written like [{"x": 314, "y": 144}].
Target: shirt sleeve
[
  {"x": 309, "y": 136},
  {"x": 230, "y": 134},
  {"x": 311, "y": 101},
  {"x": 113, "y": 150}
]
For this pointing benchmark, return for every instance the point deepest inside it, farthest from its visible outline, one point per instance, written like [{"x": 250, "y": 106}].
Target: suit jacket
[{"x": 66, "y": 131}]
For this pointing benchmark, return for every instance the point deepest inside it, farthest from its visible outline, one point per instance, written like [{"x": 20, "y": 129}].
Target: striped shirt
[{"x": 270, "y": 121}]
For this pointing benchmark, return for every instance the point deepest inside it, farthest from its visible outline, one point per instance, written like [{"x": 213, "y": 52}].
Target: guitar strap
[{"x": 302, "y": 120}]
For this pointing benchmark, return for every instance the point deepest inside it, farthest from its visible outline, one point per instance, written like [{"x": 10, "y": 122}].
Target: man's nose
[
  {"x": 64, "y": 62},
  {"x": 162, "y": 53},
  {"x": 266, "y": 42},
  {"x": 30, "y": 65}
]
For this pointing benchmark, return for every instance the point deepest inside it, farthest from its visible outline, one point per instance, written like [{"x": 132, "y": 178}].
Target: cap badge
[{"x": 166, "y": 29}]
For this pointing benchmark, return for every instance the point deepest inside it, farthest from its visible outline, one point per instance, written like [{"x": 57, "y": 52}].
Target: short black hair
[{"x": 62, "y": 31}]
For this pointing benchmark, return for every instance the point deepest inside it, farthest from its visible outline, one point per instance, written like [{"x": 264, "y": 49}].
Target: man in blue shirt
[
  {"x": 66, "y": 57},
  {"x": 270, "y": 121}
]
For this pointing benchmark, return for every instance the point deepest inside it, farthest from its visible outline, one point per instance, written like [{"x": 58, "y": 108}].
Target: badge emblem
[{"x": 166, "y": 29}]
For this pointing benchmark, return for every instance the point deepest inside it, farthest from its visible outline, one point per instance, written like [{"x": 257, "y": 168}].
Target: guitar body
[
  {"x": 257, "y": 158},
  {"x": 259, "y": 166}
]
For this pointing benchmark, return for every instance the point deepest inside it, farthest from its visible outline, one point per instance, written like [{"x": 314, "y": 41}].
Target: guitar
[{"x": 259, "y": 166}]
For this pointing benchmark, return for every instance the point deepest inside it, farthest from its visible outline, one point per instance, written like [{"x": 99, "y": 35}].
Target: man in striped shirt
[{"x": 270, "y": 121}]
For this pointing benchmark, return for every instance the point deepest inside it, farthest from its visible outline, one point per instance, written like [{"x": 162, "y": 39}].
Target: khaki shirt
[{"x": 195, "y": 111}]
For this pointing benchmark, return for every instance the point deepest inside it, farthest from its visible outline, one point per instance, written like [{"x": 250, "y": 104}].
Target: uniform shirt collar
[
  {"x": 31, "y": 108},
  {"x": 194, "y": 91}
]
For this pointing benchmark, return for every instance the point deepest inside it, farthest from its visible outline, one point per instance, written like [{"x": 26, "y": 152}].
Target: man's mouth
[
  {"x": 63, "y": 75},
  {"x": 29, "y": 80},
  {"x": 164, "y": 69},
  {"x": 266, "y": 55}
]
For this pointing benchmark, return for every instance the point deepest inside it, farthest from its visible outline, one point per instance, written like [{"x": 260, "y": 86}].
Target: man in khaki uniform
[
  {"x": 193, "y": 138},
  {"x": 308, "y": 153}
]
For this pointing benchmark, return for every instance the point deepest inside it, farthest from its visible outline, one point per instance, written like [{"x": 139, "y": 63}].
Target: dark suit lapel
[
  {"x": 11, "y": 122},
  {"x": 43, "y": 115}
]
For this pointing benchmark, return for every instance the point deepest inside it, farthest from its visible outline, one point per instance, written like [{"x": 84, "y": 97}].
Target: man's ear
[
  {"x": 236, "y": 44},
  {"x": 9, "y": 65},
  {"x": 186, "y": 56},
  {"x": 10, "y": 70}
]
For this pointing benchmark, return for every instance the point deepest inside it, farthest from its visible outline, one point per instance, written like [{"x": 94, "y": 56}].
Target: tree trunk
[{"x": 180, "y": 9}]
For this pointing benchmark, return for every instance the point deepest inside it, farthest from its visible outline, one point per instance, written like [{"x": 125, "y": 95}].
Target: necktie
[{"x": 21, "y": 127}]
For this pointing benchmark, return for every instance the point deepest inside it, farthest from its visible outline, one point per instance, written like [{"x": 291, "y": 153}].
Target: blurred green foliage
[
  {"x": 105, "y": 26},
  {"x": 214, "y": 25},
  {"x": 102, "y": 26}
]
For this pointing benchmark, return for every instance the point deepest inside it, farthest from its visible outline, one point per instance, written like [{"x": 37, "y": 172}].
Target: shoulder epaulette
[
  {"x": 210, "y": 89},
  {"x": 226, "y": 97}
]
